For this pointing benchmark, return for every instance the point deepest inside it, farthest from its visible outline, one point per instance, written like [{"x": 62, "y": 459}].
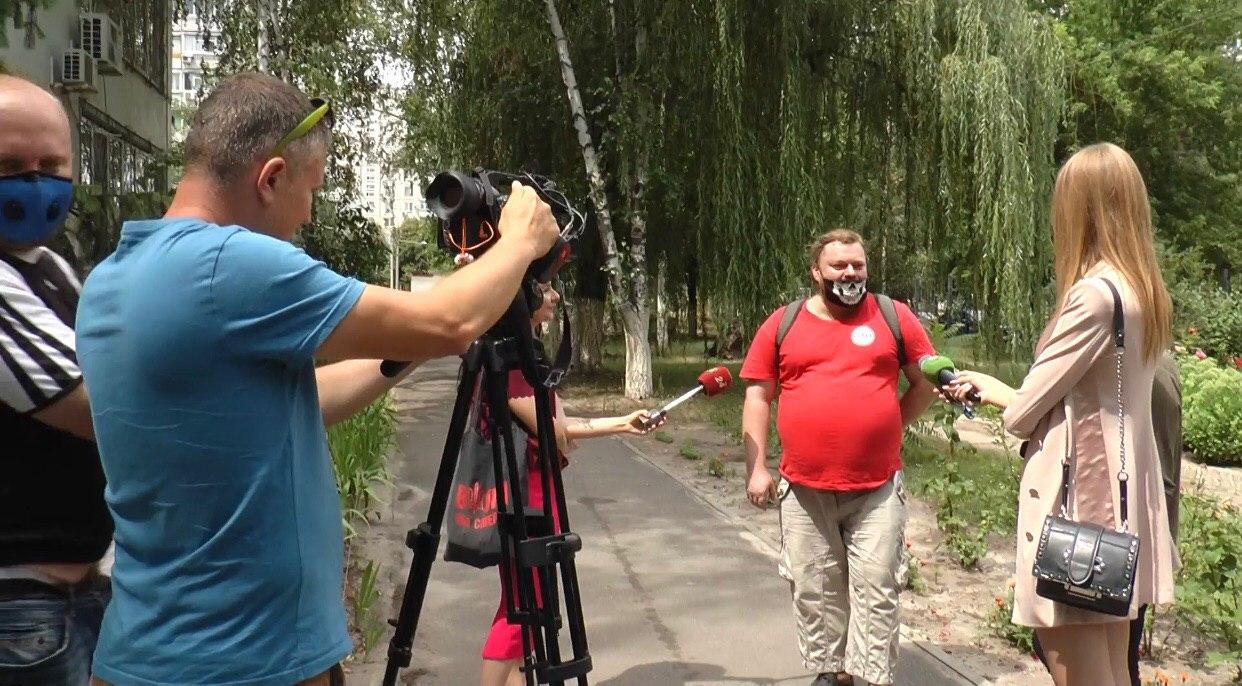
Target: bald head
[{"x": 34, "y": 130}]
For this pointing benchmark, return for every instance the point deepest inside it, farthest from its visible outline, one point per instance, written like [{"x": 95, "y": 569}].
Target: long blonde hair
[{"x": 1100, "y": 212}]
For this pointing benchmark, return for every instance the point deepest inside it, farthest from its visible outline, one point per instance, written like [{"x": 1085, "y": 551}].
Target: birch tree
[{"x": 628, "y": 287}]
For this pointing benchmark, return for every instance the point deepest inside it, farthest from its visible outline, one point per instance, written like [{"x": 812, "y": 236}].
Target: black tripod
[{"x": 532, "y": 548}]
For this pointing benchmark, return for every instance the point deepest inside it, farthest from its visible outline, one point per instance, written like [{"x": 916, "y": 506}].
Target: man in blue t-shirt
[{"x": 198, "y": 338}]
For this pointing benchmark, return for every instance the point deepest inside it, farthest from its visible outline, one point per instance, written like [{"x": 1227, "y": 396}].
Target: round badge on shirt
[{"x": 863, "y": 336}]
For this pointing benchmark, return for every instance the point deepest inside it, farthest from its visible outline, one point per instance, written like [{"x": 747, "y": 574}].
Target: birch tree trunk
[
  {"x": 662, "y": 314},
  {"x": 628, "y": 290},
  {"x": 265, "y": 40}
]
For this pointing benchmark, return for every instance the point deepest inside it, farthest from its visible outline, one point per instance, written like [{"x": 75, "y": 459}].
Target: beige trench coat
[{"x": 1069, "y": 397}]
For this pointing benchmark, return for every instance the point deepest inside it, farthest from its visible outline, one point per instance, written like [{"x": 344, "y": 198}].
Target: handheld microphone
[
  {"x": 939, "y": 370},
  {"x": 714, "y": 381}
]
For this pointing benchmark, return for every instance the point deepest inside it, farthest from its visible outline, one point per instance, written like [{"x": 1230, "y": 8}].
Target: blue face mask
[{"x": 33, "y": 206}]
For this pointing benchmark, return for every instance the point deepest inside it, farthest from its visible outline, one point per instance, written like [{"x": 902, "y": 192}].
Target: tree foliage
[
  {"x": 346, "y": 240},
  {"x": 1164, "y": 81},
  {"x": 331, "y": 49},
  {"x": 24, "y": 15},
  {"x": 420, "y": 255},
  {"x": 928, "y": 125}
]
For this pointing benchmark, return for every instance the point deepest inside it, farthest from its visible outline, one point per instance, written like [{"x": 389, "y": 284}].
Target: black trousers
[{"x": 1136, "y": 640}]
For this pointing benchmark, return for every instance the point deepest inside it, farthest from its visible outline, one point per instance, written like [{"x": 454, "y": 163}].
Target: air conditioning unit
[
  {"x": 75, "y": 71},
  {"x": 100, "y": 36}
]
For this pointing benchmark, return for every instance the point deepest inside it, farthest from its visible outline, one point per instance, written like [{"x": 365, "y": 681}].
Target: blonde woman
[{"x": 1101, "y": 230}]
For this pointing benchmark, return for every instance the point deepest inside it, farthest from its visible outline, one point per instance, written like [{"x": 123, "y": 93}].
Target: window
[
  {"x": 111, "y": 162},
  {"x": 144, "y": 27}
]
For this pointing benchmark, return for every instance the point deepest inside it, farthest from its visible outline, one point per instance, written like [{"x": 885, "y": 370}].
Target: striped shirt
[
  {"x": 52, "y": 508},
  {"x": 38, "y": 364}
]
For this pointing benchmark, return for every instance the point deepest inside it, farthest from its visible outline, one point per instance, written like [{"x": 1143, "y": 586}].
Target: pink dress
[{"x": 504, "y": 640}]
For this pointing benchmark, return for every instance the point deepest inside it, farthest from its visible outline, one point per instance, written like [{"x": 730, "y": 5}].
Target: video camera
[{"x": 469, "y": 206}]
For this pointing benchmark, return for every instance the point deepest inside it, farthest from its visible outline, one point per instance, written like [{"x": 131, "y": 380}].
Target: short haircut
[
  {"x": 840, "y": 235},
  {"x": 241, "y": 121}
]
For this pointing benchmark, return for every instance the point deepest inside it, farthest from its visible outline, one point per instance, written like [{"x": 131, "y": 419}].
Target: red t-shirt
[
  {"x": 520, "y": 388},
  {"x": 838, "y": 413}
]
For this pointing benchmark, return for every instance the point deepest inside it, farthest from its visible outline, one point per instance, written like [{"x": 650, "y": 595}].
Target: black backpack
[{"x": 887, "y": 309}]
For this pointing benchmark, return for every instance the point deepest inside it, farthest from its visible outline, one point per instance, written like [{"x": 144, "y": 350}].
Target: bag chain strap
[
  {"x": 1122, "y": 476},
  {"x": 1068, "y": 462}
]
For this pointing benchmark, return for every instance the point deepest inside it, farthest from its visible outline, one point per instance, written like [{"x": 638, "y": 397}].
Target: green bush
[
  {"x": 1209, "y": 583},
  {"x": 360, "y": 448},
  {"x": 1211, "y": 410},
  {"x": 1210, "y": 319},
  {"x": 420, "y": 255}
]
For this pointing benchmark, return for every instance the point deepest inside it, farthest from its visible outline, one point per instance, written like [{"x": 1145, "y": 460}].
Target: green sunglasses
[{"x": 322, "y": 110}]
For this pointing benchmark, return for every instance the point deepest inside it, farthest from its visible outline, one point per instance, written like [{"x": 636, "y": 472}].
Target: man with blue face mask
[{"x": 54, "y": 524}]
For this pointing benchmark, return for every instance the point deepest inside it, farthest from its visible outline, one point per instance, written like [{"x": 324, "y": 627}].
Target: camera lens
[
  {"x": 453, "y": 194},
  {"x": 451, "y": 197}
]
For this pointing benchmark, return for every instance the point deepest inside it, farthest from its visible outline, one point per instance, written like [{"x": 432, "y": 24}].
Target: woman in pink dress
[{"x": 502, "y": 651}]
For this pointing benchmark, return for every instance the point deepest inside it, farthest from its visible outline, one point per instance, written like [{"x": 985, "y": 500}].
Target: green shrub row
[{"x": 1211, "y": 410}]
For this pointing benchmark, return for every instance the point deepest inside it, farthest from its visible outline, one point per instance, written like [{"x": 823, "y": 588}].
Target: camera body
[{"x": 468, "y": 206}]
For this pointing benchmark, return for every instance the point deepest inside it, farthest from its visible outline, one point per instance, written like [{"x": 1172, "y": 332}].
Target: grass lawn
[
  {"x": 965, "y": 355},
  {"x": 673, "y": 374}
]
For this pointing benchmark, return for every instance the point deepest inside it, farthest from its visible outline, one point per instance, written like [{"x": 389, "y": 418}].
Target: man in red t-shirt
[{"x": 840, "y": 421}]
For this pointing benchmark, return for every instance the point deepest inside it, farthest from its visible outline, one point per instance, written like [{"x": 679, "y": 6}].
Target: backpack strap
[
  {"x": 787, "y": 321},
  {"x": 887, "y": 309},
  {"x": 890, "y": 317}
]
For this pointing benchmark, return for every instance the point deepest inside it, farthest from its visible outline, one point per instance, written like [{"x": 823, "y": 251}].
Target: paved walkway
[{"x": 674, "y": 591}]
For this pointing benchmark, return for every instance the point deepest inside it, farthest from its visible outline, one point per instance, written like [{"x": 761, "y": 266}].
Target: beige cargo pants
[{"x": 843, "y": 554}]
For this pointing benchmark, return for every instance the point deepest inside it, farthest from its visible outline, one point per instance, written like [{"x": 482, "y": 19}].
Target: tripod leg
[
  {"x": 425, "y": 539},
  {"x": 522, "y": 599},
  {"x": 556, "y": 511},
  {"x": 569, "y": 572},
  {"x": 555, "y": 498}
]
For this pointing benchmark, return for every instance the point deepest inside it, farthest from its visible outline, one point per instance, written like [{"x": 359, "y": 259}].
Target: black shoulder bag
[{"x": 1081, "y": 564}]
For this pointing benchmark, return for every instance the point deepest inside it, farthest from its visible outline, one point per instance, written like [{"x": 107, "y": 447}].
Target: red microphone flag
[{"x": 716, "y": 380}]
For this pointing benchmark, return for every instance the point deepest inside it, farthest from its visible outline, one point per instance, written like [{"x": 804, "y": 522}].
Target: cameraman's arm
[
  {"x": 397, "y": 325},
  {"x": 345, "y": 388}
]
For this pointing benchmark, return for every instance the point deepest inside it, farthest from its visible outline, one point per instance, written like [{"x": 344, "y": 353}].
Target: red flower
[{"x": 1200, "y": 354}]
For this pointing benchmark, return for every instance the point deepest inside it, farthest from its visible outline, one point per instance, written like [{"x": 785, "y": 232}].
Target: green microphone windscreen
[{"x": 932, "y": 365}]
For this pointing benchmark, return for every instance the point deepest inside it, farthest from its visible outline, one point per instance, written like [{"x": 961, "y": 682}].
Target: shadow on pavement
[{"x": 690, "y": 674}]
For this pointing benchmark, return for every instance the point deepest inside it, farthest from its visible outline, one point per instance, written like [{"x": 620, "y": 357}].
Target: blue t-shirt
[{"x": 197, "y": 342}]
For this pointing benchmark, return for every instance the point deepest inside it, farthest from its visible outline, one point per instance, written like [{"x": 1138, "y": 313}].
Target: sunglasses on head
[{"x": 321, "y": 112}]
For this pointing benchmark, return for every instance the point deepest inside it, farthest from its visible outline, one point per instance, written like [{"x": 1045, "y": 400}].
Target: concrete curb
[{"x": 952, "y": 667}]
